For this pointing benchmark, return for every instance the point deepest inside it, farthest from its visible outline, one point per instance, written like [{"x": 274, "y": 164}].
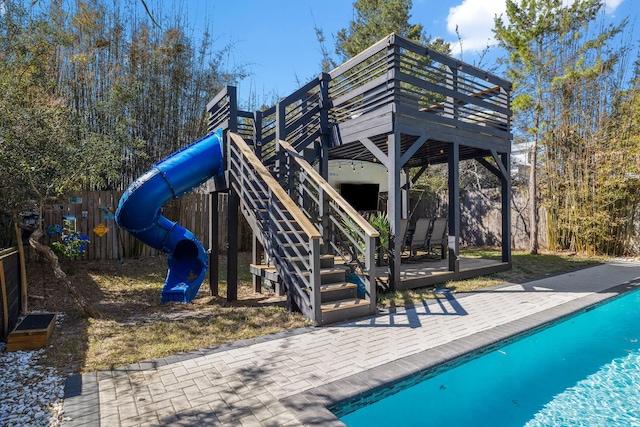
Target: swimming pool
[{"x": 582, "y": 371}]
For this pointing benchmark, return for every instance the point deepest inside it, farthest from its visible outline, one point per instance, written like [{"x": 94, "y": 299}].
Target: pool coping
[{"x": 311, "y": 407}]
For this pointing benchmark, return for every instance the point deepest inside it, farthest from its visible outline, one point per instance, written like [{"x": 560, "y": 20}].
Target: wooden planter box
[{"x": 32, "y": 333}]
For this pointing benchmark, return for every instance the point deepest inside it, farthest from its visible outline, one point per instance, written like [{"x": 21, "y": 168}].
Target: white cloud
[
  {"x": 474, "y": 20},
  {"x": 610, "y": 6}
]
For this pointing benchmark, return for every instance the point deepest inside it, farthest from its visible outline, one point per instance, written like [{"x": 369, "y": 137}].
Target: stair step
[
  {"x": 341, "y": 310},
  {"x": 326, "y": 261},
  {"x": 329, "y": 275},
  {"x": 338, "y": 285},
  {"x": 343, "y": 304},
  {"x": 264, "y": 270},
  {"x": 337, "y": 291}
]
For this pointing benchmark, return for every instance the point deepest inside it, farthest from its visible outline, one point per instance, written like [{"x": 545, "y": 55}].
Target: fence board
[{"x": 191, "y": 211}]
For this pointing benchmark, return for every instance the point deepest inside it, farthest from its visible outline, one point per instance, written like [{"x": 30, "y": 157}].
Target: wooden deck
[
  {"x": 423, "y": 272},
  {"x": 398, "y": 104}
]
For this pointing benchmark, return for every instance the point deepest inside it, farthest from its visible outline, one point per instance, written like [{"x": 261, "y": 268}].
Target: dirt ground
[{"x": 128, "y": 296}]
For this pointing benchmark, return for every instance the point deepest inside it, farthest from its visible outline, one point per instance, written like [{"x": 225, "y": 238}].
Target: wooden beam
[
  {"x": 232, "y": 251},
  {"x": 214, "y": 250},
  {"x": 376, "y": 122},
  {"x": 502, "y": 167},
  {"x": 454, "y": 206},
  {"x": 373, "y": 149},
  {"x": 501, "y": 132},
  {"x": 23, "y": 271},
  {"x": 494, "y": 170},
  {"x": 449, "y": 133},
  {"x": 393, "y": 210},
  {"x": 256, "y": 259},
  {"x": 419, "y": 174},
  {"x": 406, "y": 156}
]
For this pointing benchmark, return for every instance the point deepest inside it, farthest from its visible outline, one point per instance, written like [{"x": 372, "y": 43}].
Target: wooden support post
[
  {"x": 325, "y": 129},
  {"x": 370, "y": 279},
  {"x": 232, "y": 251},
  {"x": 323, "y": 161},
  {"x": 315, "y": 295},
  {"x": 257, "y": 133},
  {"x": 214, "y": 250},
  {"x": 454, "y": 207},
  {"x": 233, "y": 108},
  {"x": 23, "y": 271},
  {"x": 256, "y": 258},
  {"x": 5, "y": 304},
  {"x": 393, "y": 210},
  {"x": 405, "y": 195}
]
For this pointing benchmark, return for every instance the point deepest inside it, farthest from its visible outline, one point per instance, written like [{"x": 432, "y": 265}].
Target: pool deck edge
[{"x": 314, "y": 407}]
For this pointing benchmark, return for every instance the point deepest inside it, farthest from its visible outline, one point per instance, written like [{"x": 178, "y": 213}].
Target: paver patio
[{"x": 287, "y": 379}]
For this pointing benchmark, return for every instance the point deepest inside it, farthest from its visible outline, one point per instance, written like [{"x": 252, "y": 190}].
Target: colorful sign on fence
[{"x": 100, "y": 230}]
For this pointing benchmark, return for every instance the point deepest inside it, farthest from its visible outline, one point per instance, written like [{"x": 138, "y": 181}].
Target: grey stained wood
[{"x": 397, "y": 103}]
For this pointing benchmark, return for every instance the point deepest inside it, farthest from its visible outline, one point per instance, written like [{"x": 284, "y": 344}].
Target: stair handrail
[
  {"x": 301, "y": 278},
  {"x": 304, "y": 222},
  {"x": 362, "y": 250}
]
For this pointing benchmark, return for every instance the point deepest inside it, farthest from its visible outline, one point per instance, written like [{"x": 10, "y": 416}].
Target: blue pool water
[{"x": 584, "y": 371}]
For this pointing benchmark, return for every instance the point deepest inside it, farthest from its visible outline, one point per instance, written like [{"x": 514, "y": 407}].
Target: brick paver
[{"x": 246, "y": 384}]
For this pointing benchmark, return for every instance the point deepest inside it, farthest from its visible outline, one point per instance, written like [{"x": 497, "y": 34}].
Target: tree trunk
[{"x": 61, "y": 275}]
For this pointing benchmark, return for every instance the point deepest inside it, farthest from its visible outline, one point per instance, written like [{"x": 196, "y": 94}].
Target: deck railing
[
  {"x": 422, "y": 83},
  {"x": 266, "y": 135},
  {"x": 298, "y": 116},
  {"x": 345, "y": 232},
  {"x": 289, "y": 237},
  {"x": 394, "y": 74},
  {"x": 224, "y": 114}
]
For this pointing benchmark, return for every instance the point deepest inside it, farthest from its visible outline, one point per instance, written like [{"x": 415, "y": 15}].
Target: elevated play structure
[{"x": 397, "y": 104}]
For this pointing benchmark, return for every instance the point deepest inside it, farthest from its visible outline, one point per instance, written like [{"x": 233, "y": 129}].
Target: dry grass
[
  {"x": 137, "y": 327},
  {"x": 111, "y": 342}
]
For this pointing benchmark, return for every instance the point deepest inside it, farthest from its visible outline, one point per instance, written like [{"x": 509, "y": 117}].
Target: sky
[{"x": 276, "y": 42}]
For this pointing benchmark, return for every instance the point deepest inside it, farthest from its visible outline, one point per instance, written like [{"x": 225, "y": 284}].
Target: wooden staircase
[
  {"x": 339, "y": 298},
  {"x": 299, "y": 257}
]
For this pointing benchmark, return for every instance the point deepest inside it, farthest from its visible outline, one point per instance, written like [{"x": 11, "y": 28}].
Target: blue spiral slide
[{"x": 139, "y": 213}]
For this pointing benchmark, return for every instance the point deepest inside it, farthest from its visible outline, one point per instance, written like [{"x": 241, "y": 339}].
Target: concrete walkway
[{"x": 289, "y": 379}]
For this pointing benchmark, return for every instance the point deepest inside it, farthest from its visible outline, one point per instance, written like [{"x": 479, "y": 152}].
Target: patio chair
[
  {"x": 420, "y": 235},
  {"x": 438, "y": 238}
]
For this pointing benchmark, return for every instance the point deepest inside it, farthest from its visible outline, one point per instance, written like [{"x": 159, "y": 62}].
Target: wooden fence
[
  {"x": 93, "y": 214},
  {"x": 13, "y": 288}
]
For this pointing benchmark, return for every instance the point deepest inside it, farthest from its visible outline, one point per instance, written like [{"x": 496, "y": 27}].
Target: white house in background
[{"x": 520, "y": 156}]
